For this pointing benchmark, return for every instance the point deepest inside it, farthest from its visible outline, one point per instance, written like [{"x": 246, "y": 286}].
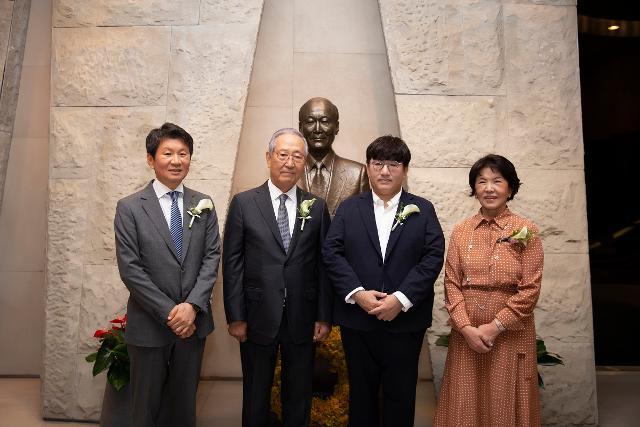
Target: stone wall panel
[
  {"x": 67, "y": 227},
  {"x": 564, "y": 308},
  {"x": 230, "y": 12},
  {"x": 102, "y": 288},
  {"x": 110, "y": 66},
  {"x": 544, "y": 112},
  {"x": 556, "y": 202},
  {"x": 450, "y": 131},
  {"x": 445, "y": 47},
  {"x": 6, "y": 12},
  {"x": 115, "y": 13},
  {"x": 207, "y": 97},
  {"x": 569, "y": 396}
]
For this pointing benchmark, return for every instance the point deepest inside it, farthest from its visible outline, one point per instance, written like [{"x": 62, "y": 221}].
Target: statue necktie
[
  {"x": 176, "y": 222},
  {"x": 283, "y": 222},
  {"x": 318, "y": 182}
]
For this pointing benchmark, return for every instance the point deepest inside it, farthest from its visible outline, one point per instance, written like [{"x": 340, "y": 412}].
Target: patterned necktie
[
  {"x": 283, "y": 222},
  {"x": 176, "y": 222},
  {"x": 318, "y": 181}
]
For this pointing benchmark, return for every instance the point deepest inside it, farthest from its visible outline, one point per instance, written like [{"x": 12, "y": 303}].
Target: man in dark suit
[
  {"x": 276, "y": 294},
  {"x": 383, "y": 263},
  {"x": 326, "y": 174},
  {"x": 168, "y": 255}
]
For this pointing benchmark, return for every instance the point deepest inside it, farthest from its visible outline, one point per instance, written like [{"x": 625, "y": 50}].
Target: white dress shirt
[
  {"x": 165, "y": 199},
  {"x": 385, "y": 217},
  {"x": 290, "y": 204}
]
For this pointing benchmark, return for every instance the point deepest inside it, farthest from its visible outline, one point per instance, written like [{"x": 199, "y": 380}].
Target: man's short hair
[
  {"x": 286, "y": 131},
  {"x": 167, "y": 131},
  {"x": 389, "y": 147}
]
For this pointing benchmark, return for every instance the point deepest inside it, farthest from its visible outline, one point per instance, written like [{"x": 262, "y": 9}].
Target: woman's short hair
[
  {"x": 389, "y": 147},
  {"x": 167, "y": 131},
  {"x": 498, "y": 164}
]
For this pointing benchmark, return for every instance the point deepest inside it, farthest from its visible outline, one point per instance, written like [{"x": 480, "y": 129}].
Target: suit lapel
[
  {"x": 405, "y": 199},
  {"x": 265, "y": 205},
  {"x": 365, "y": 206},
  {"x": 300, "y": 196},
  {"x": 188, "y": 201},
  {"x": 151, "y": 206}
]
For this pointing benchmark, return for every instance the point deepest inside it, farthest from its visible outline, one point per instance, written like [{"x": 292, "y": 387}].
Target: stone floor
[{"x": 219, "y": 402}]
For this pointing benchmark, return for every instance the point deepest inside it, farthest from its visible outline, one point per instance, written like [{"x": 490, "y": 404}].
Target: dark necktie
[
  {"x": 176, "y": 223},
  {"x": 318, "y": 181},
  {"x": 283, "y": 222}
]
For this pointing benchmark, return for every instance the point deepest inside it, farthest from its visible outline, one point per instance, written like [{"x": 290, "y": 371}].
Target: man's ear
[
  {"x": 150, "y": 160},
  {"x": 337, "y": 126}
]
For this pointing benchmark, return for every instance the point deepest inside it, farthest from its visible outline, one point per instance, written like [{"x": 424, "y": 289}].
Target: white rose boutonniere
[
  {"x": 203, "y": 205},
  {"x": 304, "y": 210},
  {"x": 404, "y": 213},
  {"x": 519, "y": 236}
]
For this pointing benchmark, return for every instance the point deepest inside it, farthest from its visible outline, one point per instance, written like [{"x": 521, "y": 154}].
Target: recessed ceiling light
[{"x": 613, "y": 27}]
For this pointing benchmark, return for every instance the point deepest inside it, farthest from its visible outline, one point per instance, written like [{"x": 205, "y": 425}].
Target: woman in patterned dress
[{"x": 492, "y": 284}]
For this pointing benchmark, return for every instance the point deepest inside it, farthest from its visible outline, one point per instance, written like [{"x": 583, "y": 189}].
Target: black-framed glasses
[
  {"x": 392, "y": 165},
  {"x": 284, "y": 157}
]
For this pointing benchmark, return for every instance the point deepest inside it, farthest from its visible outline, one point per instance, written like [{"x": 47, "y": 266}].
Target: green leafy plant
[
  {"x": 112, "y": 354},
  {"x": 544, "y": 358}
]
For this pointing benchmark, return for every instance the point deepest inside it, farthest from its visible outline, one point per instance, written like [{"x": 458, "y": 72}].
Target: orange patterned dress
[{"x": 485, "y": 280}]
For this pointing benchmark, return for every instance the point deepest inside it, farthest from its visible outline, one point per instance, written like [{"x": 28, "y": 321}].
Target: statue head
[{"x": 318, "y": 122}]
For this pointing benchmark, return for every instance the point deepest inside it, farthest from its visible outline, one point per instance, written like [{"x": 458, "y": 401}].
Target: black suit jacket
[
  {"x": 413, "y": 260},
  {"x": 256, "y": 268}
]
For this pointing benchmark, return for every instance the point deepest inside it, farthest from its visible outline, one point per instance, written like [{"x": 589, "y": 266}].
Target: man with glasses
[
  {"x": 276, "y": 294},
  {"x": 383, "y": 253}
]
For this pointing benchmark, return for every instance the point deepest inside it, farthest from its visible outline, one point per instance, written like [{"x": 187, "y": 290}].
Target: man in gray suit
[
  {"x": 276, "y": 293},
  {"x": 168, "y": 248}
]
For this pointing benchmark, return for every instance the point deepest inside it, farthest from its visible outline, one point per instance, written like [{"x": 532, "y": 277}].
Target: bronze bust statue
[{"x": 326, "y": 174}]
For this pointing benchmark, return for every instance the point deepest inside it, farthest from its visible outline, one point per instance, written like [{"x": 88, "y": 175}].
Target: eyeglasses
[
  {"x": 284, "y": 157},
  {"x": 392, "y": 165}
]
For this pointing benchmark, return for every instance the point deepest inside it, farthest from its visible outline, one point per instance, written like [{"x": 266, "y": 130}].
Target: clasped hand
[
  {"x": 181, "y": 320},
  {"x": 379, "y": 304},
  {"x": 480, "y": 339}
]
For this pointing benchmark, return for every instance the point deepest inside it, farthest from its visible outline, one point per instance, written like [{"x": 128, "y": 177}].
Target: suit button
[{"x": 182, "y": 270}]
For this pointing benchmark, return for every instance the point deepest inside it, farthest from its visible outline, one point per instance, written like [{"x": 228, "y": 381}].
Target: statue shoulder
[{"x": 348, "y": 163}]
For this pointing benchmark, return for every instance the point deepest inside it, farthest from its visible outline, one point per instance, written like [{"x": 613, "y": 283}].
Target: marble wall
[{"x": 472, "y": 77}]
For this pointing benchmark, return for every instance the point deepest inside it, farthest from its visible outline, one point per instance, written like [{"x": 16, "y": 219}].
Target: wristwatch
[{"x": 195, "y": 307}]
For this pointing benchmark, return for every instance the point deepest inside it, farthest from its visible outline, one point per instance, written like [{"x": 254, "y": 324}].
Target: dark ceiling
[{"x": 628, "y": 10}]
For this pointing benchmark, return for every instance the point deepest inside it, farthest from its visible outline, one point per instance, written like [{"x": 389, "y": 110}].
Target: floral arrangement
[
  {"x": 544, "y": 358},
  {"x": 334, "y": 410},
  {"x": 112, "y": 354}
]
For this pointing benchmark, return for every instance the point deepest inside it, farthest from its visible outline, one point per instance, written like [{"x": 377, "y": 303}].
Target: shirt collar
[
  {"x": 275, "y": 192},
  {"x": 327, "y": 161},
  {"x": 162, "y": 189},
  {"x": 392, "y": 203},
  {"x": 500, "y": 220}
]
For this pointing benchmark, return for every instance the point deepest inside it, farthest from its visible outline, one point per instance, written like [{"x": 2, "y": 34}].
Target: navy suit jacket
[{"x": 412, "y": 263}]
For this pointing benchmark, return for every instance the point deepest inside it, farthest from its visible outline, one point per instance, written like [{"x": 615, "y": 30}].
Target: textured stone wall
[
  {"x": 14, "y": 19},
  {"x": 478, "y": 76},
  {"x": 118, "y": 69}
]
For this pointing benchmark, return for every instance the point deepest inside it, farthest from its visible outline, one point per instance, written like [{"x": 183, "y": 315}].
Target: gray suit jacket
[{"x": 149, "y": 267}]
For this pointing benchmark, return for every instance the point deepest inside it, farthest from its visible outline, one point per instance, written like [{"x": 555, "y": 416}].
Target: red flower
[
  {"x": 120, "y": 320},
  {"x": 100, "y": 333}
]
